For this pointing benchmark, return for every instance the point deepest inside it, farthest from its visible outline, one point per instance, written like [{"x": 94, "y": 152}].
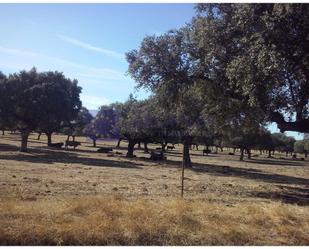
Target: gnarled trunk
[
  {"x": 146, "y": 148},
  {"x": 39, "y": 135},
  {"x": 94, "y": 141},
  {"x": 163, "y": 145},
  {"x": 269, "y": 153},
  {"x": 3, "y": 132},
  {"x": 300, "y": 125},
  {"x": 241, "y": 158},
  {"x": 24, "y": 141},
  {"x": 49, "y": 139},
  {"x": 130, "y": 148},
  {"x": 249, "y": 153},
  {"x": 118, "y": 144}
]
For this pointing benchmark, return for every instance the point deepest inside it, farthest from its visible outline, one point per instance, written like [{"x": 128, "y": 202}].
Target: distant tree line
[{"x": 55, "y": 107}]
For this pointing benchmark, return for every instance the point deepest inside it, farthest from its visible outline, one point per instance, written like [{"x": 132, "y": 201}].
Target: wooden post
[{"x": 182, "y": 178}]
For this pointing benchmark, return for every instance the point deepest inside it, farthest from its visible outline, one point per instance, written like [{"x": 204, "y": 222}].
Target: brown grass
[
  {"x": 51, "y": 197},
  {"x": 115, "y": 221}
]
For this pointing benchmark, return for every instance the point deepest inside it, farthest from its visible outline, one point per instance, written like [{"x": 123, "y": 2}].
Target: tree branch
[{"x": 300, "y": 125}]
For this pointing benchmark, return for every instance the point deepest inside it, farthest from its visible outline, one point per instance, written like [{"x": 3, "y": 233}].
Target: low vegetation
[
  {"x": 80, "y": 197},
  {"x": 114, "y": 221}
]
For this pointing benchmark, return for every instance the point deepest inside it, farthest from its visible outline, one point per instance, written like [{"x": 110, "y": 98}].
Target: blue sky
[{"x": 85, "y": 41}]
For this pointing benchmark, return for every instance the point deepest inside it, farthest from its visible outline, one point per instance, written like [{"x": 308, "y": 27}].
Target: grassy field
[{"x": 54, "y": 197}]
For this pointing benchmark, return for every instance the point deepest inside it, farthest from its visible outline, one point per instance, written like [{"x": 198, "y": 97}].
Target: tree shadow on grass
[
  {"x": 51, "y": 156},
  {"x": 276, "y": 162},
  {"x": 291, "y": 195},
  {"x": 192, "y": 153},
  {"x": 247, "y": 173},
  {"x": 8, "y": 147}
]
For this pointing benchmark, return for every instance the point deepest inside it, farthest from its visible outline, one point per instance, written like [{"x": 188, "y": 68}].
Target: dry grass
[
  {"x": 115, "y": 221},
  {"x": 50, "y": 197}
]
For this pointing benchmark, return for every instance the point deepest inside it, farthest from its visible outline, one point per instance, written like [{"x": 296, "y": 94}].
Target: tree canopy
[
  {"x": 33, "y": 100},
  {"x": 259, "y": 55}
]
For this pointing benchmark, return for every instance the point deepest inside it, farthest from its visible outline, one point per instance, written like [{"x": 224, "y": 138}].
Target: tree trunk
[
  {"x": 118, "y": 144},
  {"x": 146, "y": 148},
  {"x": 3, "y": 132},
  {"x": 249, "y": 153},
  {"x": 221, "y": 148},
  {"x": 73, "y": 138},
  {"x": 261, "y": 152},
  {"x": 139, "y": 145},
  {"x": 24, "y": 140},
  {"x": 39, "y": 135},
  {"x": 241, "y": 158},
  {"x": 186, "y": 155},
  {"x": 68, "y": 138},
  {"x": 130, "y": 148},
  {"x": 234, "y": 150},
  {"x": 306, "y": 153},
  {"x": 49, "y": 140},
  {"x": 94, "y": 141},
  {"x": 269, "y": 153},
  {"x": 163, "y": 146}
]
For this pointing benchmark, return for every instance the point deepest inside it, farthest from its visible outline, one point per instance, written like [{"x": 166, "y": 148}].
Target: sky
[{"x": 87, "y": 42}]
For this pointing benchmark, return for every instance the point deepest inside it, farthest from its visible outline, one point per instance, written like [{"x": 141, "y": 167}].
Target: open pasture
[{"x": 39, "y": 184}]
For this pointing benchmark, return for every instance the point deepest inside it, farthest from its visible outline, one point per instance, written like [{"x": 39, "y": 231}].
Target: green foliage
[
  {"x": 40, "y": 100},
  {"x": 132, "y": 121},
  {"x": 37, "y": 101},
  {"x": 61, "y": 103},
  {"x": 302, "y": 146},
  {"x": 283, "y": 143},
  {"x": 265, "y": 140},
  {"x": 105, "y": 122},
  {"x": 76, "y": 126},
  {"x": 256, "y": 54},
  {"x": 299, "y": 147},
  {"x": 5, "y": 108}
]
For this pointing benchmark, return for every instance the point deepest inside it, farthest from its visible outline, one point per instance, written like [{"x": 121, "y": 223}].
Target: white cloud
[
  {"x": 17, "y": 52},
  {"x": 23, "y": 59},
  {"x": 88, "y": 46},
  {"x": 97, "y": 80},
  {"x": 93, "y": 102}
]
